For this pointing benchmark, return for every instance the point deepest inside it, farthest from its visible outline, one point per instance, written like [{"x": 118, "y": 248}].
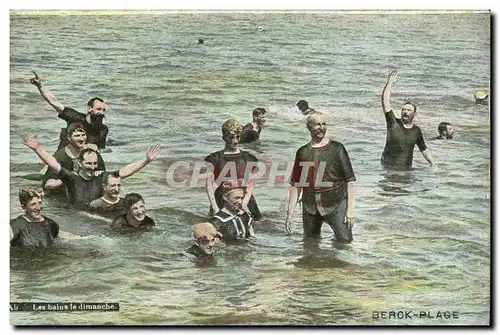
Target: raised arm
[
  {"x": 46, "y": 94},
  {"x": 248, "y": 194},
  {"x": 293, "y": 197},
  {"x": 130, "y": 169},
  {"x": 211, "y": 192},
  {"x": 47, "y": 158},
  {"x": 386, "y": 92}
]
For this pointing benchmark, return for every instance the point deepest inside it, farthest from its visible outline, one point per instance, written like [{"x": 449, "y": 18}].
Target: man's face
[
  {"x": 89, "y": 162},
  {"x": 449, "y": 132},
  {"x": 78, "y": 139},
  {"x": 33, "y": 209},
  {"x": 99, "y": 108},
  {"x": 317, "y": 126},
  {"x": 407, "y": 113},
  {"x": 113, "y": 186},
  {"x": 234, "y": 199},
  {"x": 260, "y": 119},
  {"x": 138, "y": 211},
  {"x": 232, "y": 139},
  {"x": 206, "y": 244}
]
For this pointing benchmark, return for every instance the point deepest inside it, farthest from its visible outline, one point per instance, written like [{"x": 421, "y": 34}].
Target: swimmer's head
[
  {"x": 88, "y": 160},
  {"x": 261, "y": 29},
  {"x": 303, "y": 105},
  {"x": 231, "y": 133},
  {"x": 31, "y": 201},
  {"x": 445, "y": 130},
  {"x": 96, "y": 107},
  {"x": 408, "y": 112},
  {"x": 481, "y": 96},
  {"x": 135, "y": 206},
  {"x": 233, "y": 193},
  {"x": 316, "y": 124},
  {"x": 205, "y": 237},
  {"x": 200, "y": 41},
  {"x": 77, "y": 135},
  {"x": 259, "y": 116},
  {"x": 112, "y": 183}
]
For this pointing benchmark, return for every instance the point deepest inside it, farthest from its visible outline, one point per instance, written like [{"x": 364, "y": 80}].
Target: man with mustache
[
  {"x": 251, "y": 131},
  {"x": 97, "y": 132},
  {"x": 323, "y": 173},
  {"x": 86, "y": 185},
  {"x": 402, "y": 134},
  {"x": 205, "y": 238},
  {"x": 68, "y": 156},
  {"x": 110, "y": 203}
]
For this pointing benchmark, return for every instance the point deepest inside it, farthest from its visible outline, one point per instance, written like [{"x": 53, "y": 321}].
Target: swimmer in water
[
  {"x": 304, "y": 107},
  {"x": 200, "y": 41},
  {"x": 205, "y": 238},
  {"x": 402, "y": 134},
  {"x": 135, "y": 217},
  {"x": 97, "y": 132},
  {"x": 110, "y": 203},
  {"x": 445, "y": 131},
  {"x": 251, "y": 131},
  {"x": 481, "y": 97},
  {"x": 68, "y": 156},
  {"x": 232, "y": 221},
  {"x": 85, "y": 185},
  {"x": 33, "y": 229}
]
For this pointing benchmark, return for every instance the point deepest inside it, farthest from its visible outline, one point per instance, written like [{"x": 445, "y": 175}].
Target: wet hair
[
  {"x": 442, "y": 127},
  {"x": 303, "y": 105},
  {"x": 91, "y": 101},
  {"x": 200, "y": 41},
  {"x": 411, "y": 103},
  {"x": 106, "y": 175},
  {"x": 228, "y": 186},
  {"x": 310, "y": 116},
  {"x": 74, "y": 127},
  {"x": 130, "y": 199},
  {"x": 231, "y": 126},
  {"x": 26, "y": 194},
  {"x": 258, "y": 111},
  {"x": 84, "y": 152}
]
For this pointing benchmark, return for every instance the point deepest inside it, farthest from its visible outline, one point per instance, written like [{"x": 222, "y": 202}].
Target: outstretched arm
[
  {"x": 248, "y": 194},
  {"x": 46, "y": 94},
  {"x": 130, "y": 169},
  {"x": 428, "y": 157},
  {"x": 211, "y": 193},
  {"x": 386, "y": 92},
  {"x": 47, "y": 158},
  {"x": 293, "y": 197}
]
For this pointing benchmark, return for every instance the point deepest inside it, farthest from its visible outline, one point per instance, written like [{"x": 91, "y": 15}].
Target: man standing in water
[
  {"x": 97, "y": 132},
  {"x": 402, "y": 134},
  {"x": 251, "y": 131},
  {"x": 323, "y": 172}
]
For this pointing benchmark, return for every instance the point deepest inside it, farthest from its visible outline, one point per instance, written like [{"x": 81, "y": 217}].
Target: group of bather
[{"x": 78, "y": 170}]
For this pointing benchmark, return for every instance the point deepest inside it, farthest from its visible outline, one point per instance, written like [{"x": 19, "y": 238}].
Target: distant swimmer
[
  {"x": 251, "y": 131},
  {"x": 110, "y": 203},
  {"x": 261, "y": 29},
  {"x": 97, "y": 132},
  {"x": 33, "y": 229},
  {"x": 402, "y": 134},
  {"x": 68, "y": 156},
  {"x": 304, "y": 107},
  {"x": 226, "y": 158},
  {"x": 135, "y": 217},
  {"x": 232, "y": 221},
  {"x": 445, "y": 131},
  {"x": 481, "y": 96},
  {"x": 200, "y": 41},
  {"x": 85, "y": 185},
  {"x": 205, "y": 238},
  {"x": 323, "y": 173}
]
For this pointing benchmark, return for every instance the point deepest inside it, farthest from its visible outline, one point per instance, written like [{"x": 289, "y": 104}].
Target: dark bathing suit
[
  {"x": 103, "y": 207},
  {"x": 233, "y": 228},
  {"x": 400, "y": 142},
  {"x": 33, "y": 234},
  {"x": 333, "y": 199},
  {"x": 249, "y": 134},
  {"x": 121, "y": 224},
  {"x": 218, "y": 159},
  {"x": 95, "y": 136}
]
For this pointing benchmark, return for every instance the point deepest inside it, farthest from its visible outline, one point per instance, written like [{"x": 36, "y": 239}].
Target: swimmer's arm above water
[
  {"x": 210, "y": 187},
  {"x": 386, "y": 92},
  {"x": 68, "y": 236},
  {"x": 47, "y": 158},
  {"x": 248, "y": 194},
  {"x": 293, "y": 197},
  {"x": 46, "y": 94},
  {"x": 428, "y": 157},
  {"x": 130, "y": 169},
  {"x": 11, "y": 233}
]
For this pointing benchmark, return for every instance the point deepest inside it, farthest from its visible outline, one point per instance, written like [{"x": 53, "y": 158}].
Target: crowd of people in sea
[{"x": 78, "y": 170}]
